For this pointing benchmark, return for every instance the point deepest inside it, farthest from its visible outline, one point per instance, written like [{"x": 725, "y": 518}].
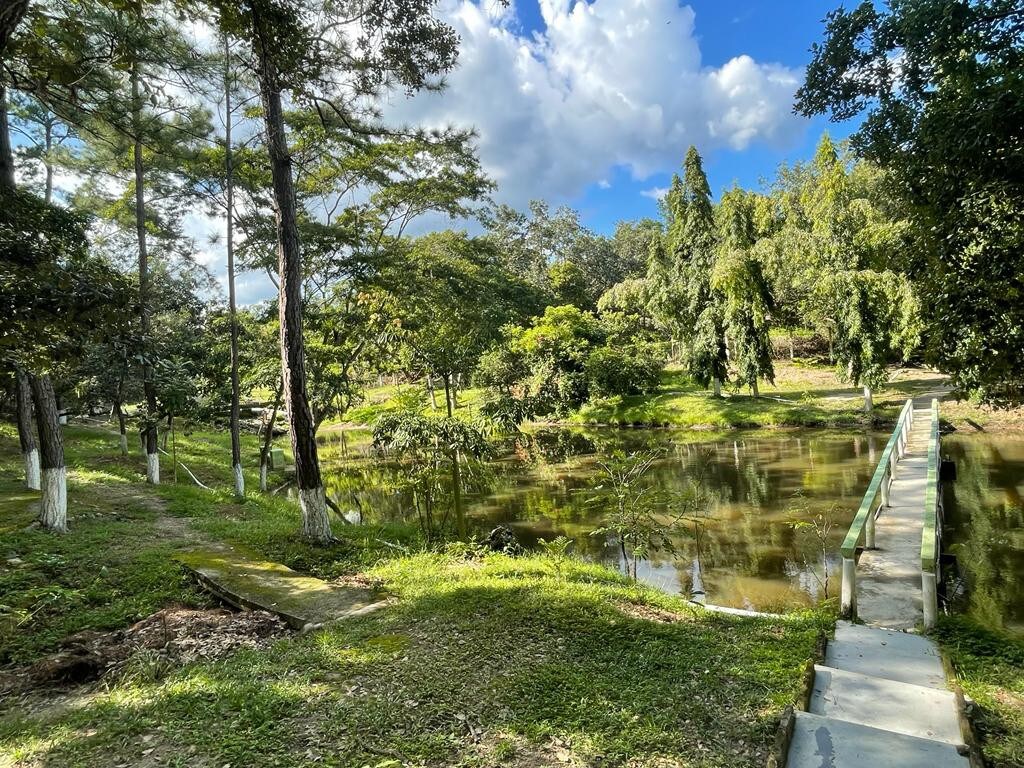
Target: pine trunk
[
  {"x": 717, "y": 385},
  {"x": 53, "y": 506},
  {"x": 149, "y": 433},
  {"x": 236, "y": 440},
  {"x": 29, "y": 451},
  {"x": 316, "y": 526},
  {"x": 268, "y": 437},
  {"x": 868, "y": 400},
  {"x": 121, "y": 428}
]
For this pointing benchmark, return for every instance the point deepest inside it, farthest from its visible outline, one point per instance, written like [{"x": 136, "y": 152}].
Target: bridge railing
[
  {"x": 932, "y": 530},
  {"x": 864, "y": 522}
]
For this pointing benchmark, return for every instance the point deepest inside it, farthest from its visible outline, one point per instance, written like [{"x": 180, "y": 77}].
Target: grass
[
  {"x": 990, "y": 668},
  {"x": 483, "y": 660},
  {"x": 805, "y": 394}
]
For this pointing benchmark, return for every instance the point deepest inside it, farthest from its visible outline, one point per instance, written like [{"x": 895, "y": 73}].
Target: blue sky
[
  {"x": 778, "y": 32},
  {"x": 595, "y": 106}
]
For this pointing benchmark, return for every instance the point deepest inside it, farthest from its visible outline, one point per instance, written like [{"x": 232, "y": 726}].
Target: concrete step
[
  {"x": 887, "y": 654},
  {"x": 824, "y": 742},
  {"x": 913, "y": 710}
]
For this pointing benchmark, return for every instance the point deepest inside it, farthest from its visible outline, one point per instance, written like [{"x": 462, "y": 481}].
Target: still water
[
  {"x": 750, "y": 555},
  {"x": 984, "y": 516}
]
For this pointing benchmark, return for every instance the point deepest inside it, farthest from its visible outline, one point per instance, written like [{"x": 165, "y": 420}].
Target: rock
[{"x": 503, "y": 539}]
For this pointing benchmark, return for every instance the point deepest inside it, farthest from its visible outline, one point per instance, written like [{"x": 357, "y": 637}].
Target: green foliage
[
  {"x": 941, "y": 88},
  {"x": 990, "y": 667},
  {"x": 614, "y": 370},
  {"x": 875, "y": 319}
]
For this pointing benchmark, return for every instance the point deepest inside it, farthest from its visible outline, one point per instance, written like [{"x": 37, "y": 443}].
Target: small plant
[
  {"x": 643, "y": 519},
  {"x": 557, "y": 551},
  {"x": 818, "y": 527}
]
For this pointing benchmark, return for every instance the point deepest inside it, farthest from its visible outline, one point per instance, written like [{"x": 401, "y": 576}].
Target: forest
[{"x": 410, "y": 304}]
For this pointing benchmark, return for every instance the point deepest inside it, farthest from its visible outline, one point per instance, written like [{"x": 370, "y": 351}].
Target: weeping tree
[
  {"x": 877, "y": 322},
  {"x": 692, "y": 239},
  {"x": 748, "y": 301}
]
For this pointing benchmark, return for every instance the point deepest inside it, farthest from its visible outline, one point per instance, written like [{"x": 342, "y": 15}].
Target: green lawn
[
  {"x": 990, "y": 669},
  {"x": 483, "y": 659},
  {"x": 804, "y": 394}
]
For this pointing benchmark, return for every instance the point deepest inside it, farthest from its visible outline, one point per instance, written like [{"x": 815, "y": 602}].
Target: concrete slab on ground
[
  {"x": 824, "y": 742},
  {"x": 246, "y": 581},
  {"x": 913, "y": 710}
]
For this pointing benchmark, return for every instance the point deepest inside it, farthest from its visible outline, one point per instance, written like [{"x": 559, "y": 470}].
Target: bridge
[{"x": 880, "y": 696}]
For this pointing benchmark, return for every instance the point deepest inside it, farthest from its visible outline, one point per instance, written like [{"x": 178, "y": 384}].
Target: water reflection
[
  {"x": 751, "y": 557},
  {"x": 985, "y": 525}
]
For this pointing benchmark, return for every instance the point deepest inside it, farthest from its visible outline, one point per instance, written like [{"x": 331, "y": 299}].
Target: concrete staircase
[{"x": 880, "y": 699}]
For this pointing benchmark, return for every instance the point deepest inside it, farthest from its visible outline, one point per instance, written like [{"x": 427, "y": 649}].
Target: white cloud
[
  {"x": 655, "y": 193},
  {"x": 607, "y": 83}
]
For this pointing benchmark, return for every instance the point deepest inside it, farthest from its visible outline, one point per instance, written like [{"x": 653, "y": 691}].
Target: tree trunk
[
  {"x": 460, "y": 515},
  {"x": 53, "y": 506},
  {"x": 6, "y": 153},
  {"x": 29, "y": 451},
  {"x": 716, "y": 383},
  {"x": 121, "y": 428},
  {"x": 149, "y": 433},
  {"x": 754, "y": 389},
  {"x": 316, "y": 525},
  {"x": 433, "y": 392},
  {"x": 868, "y": 400},
  {"x": 268, "y": 437},
  {"x": 236, "y": 440},
  {"x": 792, "y": 355}
]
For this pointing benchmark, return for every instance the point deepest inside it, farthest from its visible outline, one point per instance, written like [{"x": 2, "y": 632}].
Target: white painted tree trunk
[
  {"x": 239, "y": 481},
  {"x": 868, "y": 402},
  {"x": 717, "y": 386},
  {"x": 53, "y": 506},
  {"x": 263, "y": 476},
  {"x": 153, "y": 468},
  {"x": 32, "y": 469},
  {"x": 754, "y": 389},
  {"x": 316, "y": 525},
  {"x": 124, "y": 444}
]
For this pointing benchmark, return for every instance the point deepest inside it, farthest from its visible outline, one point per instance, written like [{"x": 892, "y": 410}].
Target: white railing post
[
  {"x": 929, "y": 598},
  {"x": 869, "y": 531},
  {"x": 884, "y": 488},
  {"x": 848, "y": 597}
]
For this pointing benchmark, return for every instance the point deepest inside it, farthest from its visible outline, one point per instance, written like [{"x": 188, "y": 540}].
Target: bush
[{"x": 622, "y": 371}]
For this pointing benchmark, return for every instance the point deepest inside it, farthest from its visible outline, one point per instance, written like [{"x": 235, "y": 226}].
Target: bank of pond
[{"x": 770, "y": 502}]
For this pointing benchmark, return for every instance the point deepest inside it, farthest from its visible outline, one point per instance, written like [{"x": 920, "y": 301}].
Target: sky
[{"x": 593, "y": 103}]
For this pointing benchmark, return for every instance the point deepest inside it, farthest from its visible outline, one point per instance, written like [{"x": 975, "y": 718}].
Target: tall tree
[
  {"x": 748, "y": 300},
  {"x": 942, "y": 87},
  {"x": 29, "y": 451},
  {"x": 229, "y": 223},
  {"x": 332, "y": 59},
  {"x": 692, "y": 243}
]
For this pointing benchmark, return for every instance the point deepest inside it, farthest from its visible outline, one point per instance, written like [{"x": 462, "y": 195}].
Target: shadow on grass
[{"x": 478, "y": 659}]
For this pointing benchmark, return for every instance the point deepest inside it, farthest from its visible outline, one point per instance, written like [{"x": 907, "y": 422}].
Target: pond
[
  {"x": 984, "y": 516},
  {"x": 750, "y": 555}
]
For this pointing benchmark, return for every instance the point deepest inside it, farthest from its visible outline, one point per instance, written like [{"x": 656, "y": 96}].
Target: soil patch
[{"x": 152, "y": 647}]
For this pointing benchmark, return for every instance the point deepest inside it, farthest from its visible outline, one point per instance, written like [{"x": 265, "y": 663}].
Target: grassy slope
[
  {"x": 804, "y": 394},
  {"x": 990, "y": 667},
  {"x": 484, "y": 660}
]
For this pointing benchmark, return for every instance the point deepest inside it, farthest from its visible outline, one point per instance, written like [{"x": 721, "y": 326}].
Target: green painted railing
[
  {"x": 929, "y": 539},
  {"x": 879, "y": 481}
]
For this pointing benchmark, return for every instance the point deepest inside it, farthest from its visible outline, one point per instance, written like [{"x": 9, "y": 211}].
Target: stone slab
[
  {"x": 824, "y": 742},
  {"x": 912, "y": 710},
  {"x": 876, "y": 660},
  {"x": 246, "y": 581}
]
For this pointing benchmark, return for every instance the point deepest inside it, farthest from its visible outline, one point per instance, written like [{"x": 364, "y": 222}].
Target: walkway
[
  {"x": 880, "y": 698},
  {"x": 246, "y": 581},
  {"x": 889, "y": 576}
]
